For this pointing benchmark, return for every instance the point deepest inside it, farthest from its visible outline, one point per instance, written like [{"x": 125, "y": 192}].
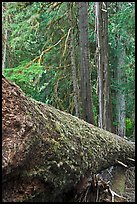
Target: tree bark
[
  {"x": 120, "y": 79},
  {"x": 120, "y": 96},
  {"x": 86, "y": 91},
  {"x": 73, "y": 62},
  {"x": 99, "y": 61},
  {"x": 45, "y": 151},
  {"x": 105, "y": 109},
  {"x": 4, "y": 36}
]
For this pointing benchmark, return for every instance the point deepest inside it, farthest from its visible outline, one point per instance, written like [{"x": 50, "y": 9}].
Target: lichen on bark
[{"x": 46, "y": 151}]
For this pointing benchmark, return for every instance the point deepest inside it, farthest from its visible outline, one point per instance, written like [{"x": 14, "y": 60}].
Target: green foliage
[
  {"x": 122, "y": 36},
  {"x": 129, "y": 127},
  {"x": 26, "y": 78},
  {"x": 54, "y": 87},
  {"x": 33, "y": 28}
]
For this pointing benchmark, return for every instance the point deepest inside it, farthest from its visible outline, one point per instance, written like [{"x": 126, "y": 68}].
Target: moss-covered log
[{"x": 45, "y": 151}]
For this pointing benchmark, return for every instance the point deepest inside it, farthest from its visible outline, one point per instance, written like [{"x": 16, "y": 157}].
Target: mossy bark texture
[{"x": 46, "y": 151}]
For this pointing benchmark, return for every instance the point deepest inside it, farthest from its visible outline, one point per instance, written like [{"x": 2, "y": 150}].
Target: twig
[
  {"x": 130, "y": 159},
  {"x": 65, "y": 47},
  {"x": 113, "y": 194},
  {"x": 43, "y": 52},
  {"x": 119, "y": 162}
]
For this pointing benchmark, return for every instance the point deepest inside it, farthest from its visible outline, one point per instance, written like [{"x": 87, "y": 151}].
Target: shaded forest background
[{"x": 41, "y": 54}]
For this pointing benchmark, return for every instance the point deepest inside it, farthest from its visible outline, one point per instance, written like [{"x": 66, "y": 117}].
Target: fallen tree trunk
[{"x": 46, "y": 151}]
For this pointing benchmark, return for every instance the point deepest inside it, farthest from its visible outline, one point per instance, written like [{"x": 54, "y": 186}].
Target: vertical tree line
[
  {"x": 120, "y": 78},
  {"x": 85, "y": 84},
  {"x": 73, "y": 61},
  {"x": 4, "y": 35},
  {"x": 105, "y": 112}
]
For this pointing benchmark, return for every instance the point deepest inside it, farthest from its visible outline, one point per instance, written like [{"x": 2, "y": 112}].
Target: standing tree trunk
[
  {"x": 120, "y": 78},
  {"x": 73, "y": 62},
  {"x": 120, "y": 96},
  {"x": 84, "y": 63},
  {"x": 99, "y": 61},
  {"x": 4, "y": 36},
  {"x": 105, "y": 113}
]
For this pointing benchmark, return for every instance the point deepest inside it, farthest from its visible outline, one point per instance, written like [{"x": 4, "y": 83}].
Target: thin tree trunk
[
  {"x": 4, "y": 35},
  {"x": 120, "y": 96},
  {"x": 120, "y": 77},
  {"x": 105, "y": 113},
  {"x": 73, "y": 62},
  {"x": 99, "y": 61},
  {"x": 86, "y": 94}
]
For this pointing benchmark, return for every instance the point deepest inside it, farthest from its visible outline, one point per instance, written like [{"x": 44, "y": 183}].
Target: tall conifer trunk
[
  {"x": 105, "y": 112},
  {"x": 73, "y": 61},
  {"x": 120, "y": 78},
  {"x": 86, "y": 95},
  {"x": 120, "y": 96}
]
